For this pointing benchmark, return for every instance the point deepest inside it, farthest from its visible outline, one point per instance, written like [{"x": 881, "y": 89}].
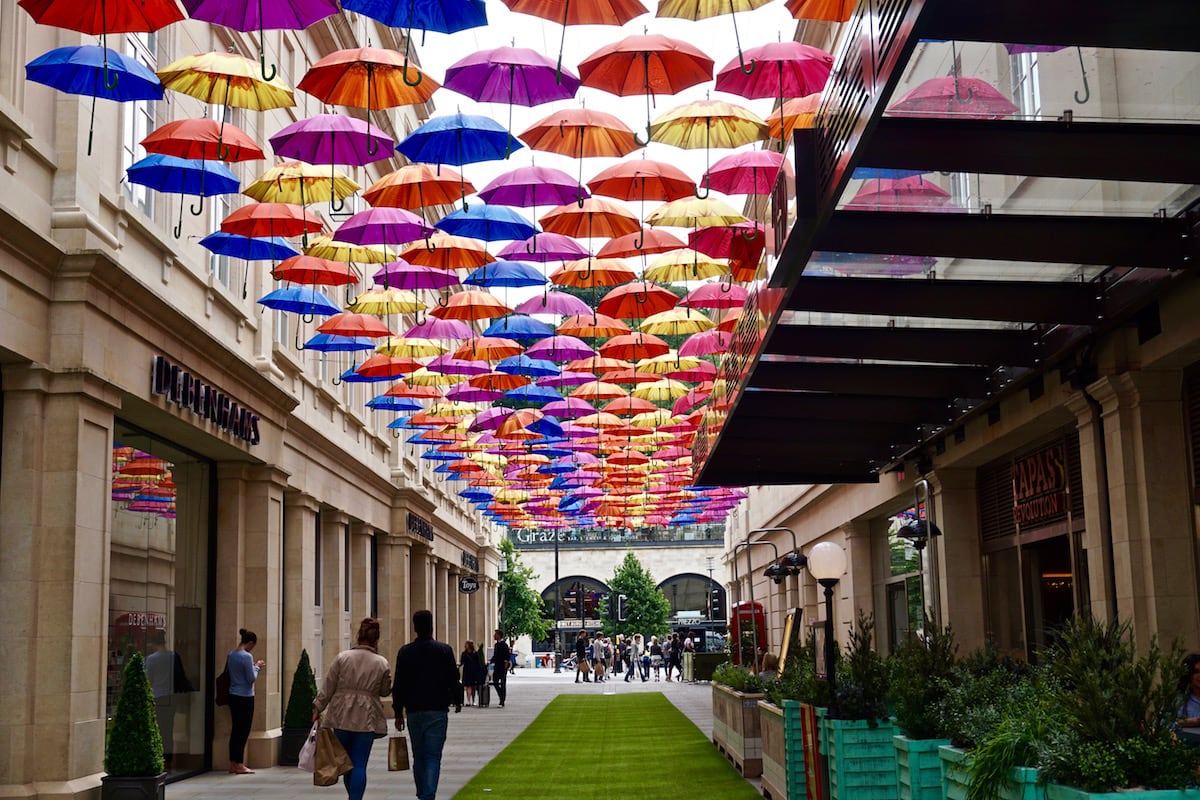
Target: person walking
[
  {"x": 243, "y": 672},
  {"x": 473, "y": 672},
  {"x": 656, "y": 658},
  {"x": 349, "y": 699},
  {"x": 634, "y": 656},
  {"x": 581, "y": 658},
  {"x": 501, "y": 655},
  {"x": 425, "y": 686}
]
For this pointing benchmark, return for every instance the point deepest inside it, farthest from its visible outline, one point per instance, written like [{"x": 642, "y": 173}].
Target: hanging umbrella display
[
  {"x": 715, "y": 295},
  {"x": 512, "y": 75},
  {"x": 558, "y": 303},
  {"x": 182, "y": 176},
  {"x": 330, "y": 139},
  {"x": 443, "y": 251},
  {"x": 581, "y": 133},
  {"x": 545, "y": 247},
  {"x": 637, "y": 301},
  {"x": 953, "y": 97},
  {"x": 708, "y": 124},
  {"x": 899, "y": 195},
  {"x": 459, "y": 139},
  {"x": 520, "y": 328},
  {"x": 749, "y": 172},
  {"x": 271, "y": 219},
  {"x": 390, "y": 227},
  {"x": 248, "y": 248},
  {"x": 588, "y": 273},
  {"x": 489, "y": 223},
  {"x": 828, "y": 10},
  {"x": 299, "y": 183},
  {"x": 300, "y": 300},
  {"x": 704, "y": 9},
  {"x": 416, "y": 186},
  {"x": 579, "y": 12},
  {"x": 95, "y": 72},
  {"x": 202, "y": 139},
  {"x": 646, "y": 242},
  {"x": 595, "y": 218},
  {"x": 676, "y": 322},
  {"x": 403, "y": 275},
  {"x": 368, "y": 78},
  {"x": 799, "y": 112},
  {"x": 781, "y": 70},
  {"x": 262, "y": 15},
  {"x": 350, "y": 324},
  {"x": 529, "y": 187},
  {"x": 508, "y": 274},
  {"x": 591, "y": 326},
  {"x": 313, "y": 270},
  {"x": 381, "y": 302},
  {"x": 470, "y": 306},
  {"x": 695, "y": 213},
  {"x": 647, "y": 64}
]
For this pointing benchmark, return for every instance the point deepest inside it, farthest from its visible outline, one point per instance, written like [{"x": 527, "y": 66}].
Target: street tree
[
  {"x": 521, "y": 608},
  {"x": 645, "y": 608}
]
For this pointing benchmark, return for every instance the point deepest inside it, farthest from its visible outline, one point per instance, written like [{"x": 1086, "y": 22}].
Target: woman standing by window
[{"x": 243, "y": 672}]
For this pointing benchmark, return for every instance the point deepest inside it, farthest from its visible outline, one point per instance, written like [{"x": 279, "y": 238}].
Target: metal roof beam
[
  {"x": 1014, "y": 348},
  {"x": 817, "y": 406},
  {"x": 884, "y": 380}
]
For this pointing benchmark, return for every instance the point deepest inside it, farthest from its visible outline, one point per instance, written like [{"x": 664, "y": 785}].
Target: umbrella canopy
[
  {"x": 643, "y": 179},
  {"x": 312, "y": 270},
  {"x": 367, "y": 77},
  {"x": 749, "y": 172},
  {"x": 799, "y": 112},
  {"x": 507, "y": 274},
  {"x": 594, "y": 218},
  {"x": 695, "y": 213},
  {"x": 520, "y": 328},
  {"x": 780, "y": 70},
  {"x": 704, "y": 9},
  {"x": 300, "y": 300},
  {"x": 418, "y": 186},
  {"x": 328, "y": 247},
  {"x": 590, "y": 326},
  {"x": 634, "y": 346},
  {"x": 953, "y": 97},
  {"x": 404, "y": 275},
  {"x": 828, "y": 10},
  {"x": 248, "y": 248},
  {"x": 559, "y": 303},
  {"x": 101, "y": 17},
  {"x": 350, "y": 324},
  {"x": 527, "y": 187},
  {"x": 443, "y": 251},
  {"x": 560, "y": 348},
  {"x": 637, "y": 301},
  {"x": 251, "y": 15},
  {"x": 676, "y": 322},
  {"x": 383, "y": 301},
  {"x": 330, "y": 139},
  {"x": 204, "y": 139},
  {"x": 300, "y": 184},
  {"x": 471, "y": 305},
  {"x": 707, "y": 124},
  {"x": 642, "y": 243},
  {"x": 899, "y": 195},
  {"x": 579, "y": 12},
  {"x": 581, "y": 133},
  {"x": 591, "y": 272},
  {"x": 459, "y": 139},
  {"x": 183, "y": 176},
  {"x": 271, "y": 219},
  {"x": 513, "y": 75},
  {"x": 386, "y": 226},
  {"x": 544, "y": 247},
  {"x": 715, "y": 295},
  {"x": 489, "y": 223},
  {"x": 441, "y": 16},
  {"x": 226, "y": 79}
]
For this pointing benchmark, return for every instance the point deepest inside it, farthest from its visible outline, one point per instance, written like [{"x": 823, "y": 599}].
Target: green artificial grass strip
[{"x": 586, "y": 747}]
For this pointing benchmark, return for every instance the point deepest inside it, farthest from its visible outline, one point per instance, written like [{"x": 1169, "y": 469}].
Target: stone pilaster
[
  {"x": 395, "y": 611},
  {"x": 334, "y": 634},
  {"x": 299, "y": 582},
  {"x": 420, "y": 594},
  {"x": 856, "y": 590},
  {"x": 441, "y": 612},
  {"x": 1097, "y": 536},
  {"x": 360, "y": 573},
  {"x": 953, "y": 560}
]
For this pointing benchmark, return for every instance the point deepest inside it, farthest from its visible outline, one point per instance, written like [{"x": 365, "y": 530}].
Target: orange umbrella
[
  {"x": 444, "y": 251},
  {"x": 318, "y": 271},
  {"x": 642, "y": 179},
  {"x": 637, "y": 301},
  {"x": 628, "y": 406},
  {"x": 592, "y": 325},
  {"x": 592, "y": 272},
  {"x": 597, "y": 364},
  {"x": 488, "y": 348},
  {"x": 471, "y": 305},
  {"x": 630, "y": 377},
  {"x": 580, "y": 12},
  {"x": 799, "y": 112},
  {"x": 418, "y": 186},
  {"x": 642, "y": 243},
  {"x": 581, "y": 133},
  {"x": 271, "y": 219},
  {"x": 498, "y": 381},
  {"x": 633, "y": 346},
  {"x": 202, "y": 139},
  {"x": 381, "y": 366},
  {"x": 594, "y": 218},
  {"x": 403, "y": 389},
  {"x": 354, "y": 325},
  {"x": 829, "y": 10}
]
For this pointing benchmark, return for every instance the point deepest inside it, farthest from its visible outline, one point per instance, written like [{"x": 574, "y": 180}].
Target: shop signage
[
  {"x": 1040, "y": 487},
  {"x": 468, "y": 584},
  {"x": 419, "y": 526},
  {"x": 204, "y": 400},
  {"x": 470, "y": 562}
]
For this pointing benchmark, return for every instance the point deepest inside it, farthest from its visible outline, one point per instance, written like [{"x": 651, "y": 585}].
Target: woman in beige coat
[{"x": 350, "y": 701}]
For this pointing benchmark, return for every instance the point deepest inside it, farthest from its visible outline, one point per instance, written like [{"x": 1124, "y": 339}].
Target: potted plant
[
  {"x": 862, "y": 758},
  {"x": 1118, "y": 708},
  {"x": 736, "y": 732},
  {"x": 922, "y": 672},
  {"x": 133, "y": 757},
  {"x": 297, "y": 719},
  {"x": 781, "y": 720}
]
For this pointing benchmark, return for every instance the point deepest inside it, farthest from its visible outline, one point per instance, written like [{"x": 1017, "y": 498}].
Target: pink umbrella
[
  {"x": 529, "y": 187},
  {"x": 706, "y": 343},
  {"x": 560, "y": 348},
  {"x": 724, "y": 241},
  {"x": 400, "y": 274},
  {"x": 383, "y": 225},
  {"x": 782, "y": 69},
  {"x": 466, "y": 393},
  {"x": 953, "y": 97},
  {"x": 449, "y": 365},
  {"x": 559, "y": 303},
  {"x": 568, "y": 408},
  {"x": 748, "y": 172},
  {"x": 435, "y": 328},
  {"x": 491, "y": 418},
  {"x": 566, "y": 378},
  {"x": 704, "y": 371},
  {"x": 901, "y": 194},
  {"x": 544, "y": 247},
  {"x": 715, "y": 295}
]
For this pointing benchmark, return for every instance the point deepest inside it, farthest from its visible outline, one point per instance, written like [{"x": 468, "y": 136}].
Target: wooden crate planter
[
  {"x": 1056, "y": 791},
  {"x": 956, "y": 779},
  {"x": 918, "y": 768},
  {"x": 782, "y": 751},
  {"x": 736, "y": 730},
  {"x": 862, "y": 760}
]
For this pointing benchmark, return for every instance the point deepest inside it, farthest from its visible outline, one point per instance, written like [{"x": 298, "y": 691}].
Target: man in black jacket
[
  {"x": 501, "y": 656},
  {"x": 425, "y": 686}
]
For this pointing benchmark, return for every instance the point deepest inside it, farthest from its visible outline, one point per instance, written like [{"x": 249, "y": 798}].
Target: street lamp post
[
  {"x": 827, "y": 563},
  {"x": 557, "y": 608},
  {"x": 709, "y": 588}
]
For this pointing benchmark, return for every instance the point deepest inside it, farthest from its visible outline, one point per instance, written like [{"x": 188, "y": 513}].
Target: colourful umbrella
[
  {"x": 520, "y": 328},
  {"x": 300, "y": 300},
  {"x": 703, "y": 9},
  {"x": 390, "y": 227},
  {"x": 403, "y": 275},
  {"x": 182, "y": 176},
  {"x": 299, "y": 183},
  {"x": 634, "y": 346},
  {"x": 676, "y": 322},
  {"x": 581, "y": 12},
  {"x": 470, "y": 306},
  {"x": 953, "y": 97},
  {"x": 558, "y": 303},
  {"x": 489, "y": 223},
  {"x": 529, "y": 187},
  {"x": 350, "y": 324},
  {"x": 271, "y": 219},
  {"x": 512, "y": 75},
  {"x": 418, "y": 186},
  {"x": 645, "y": 242},
  {"x": 708, "y": 124},
  {"x": 330, "y": 139},
  {"x": 593, "y": 272},
  {"x": 248, "y": 248},
  {"x": 560, "y": 348},
  {"x": 443, "y": 251},
  {"x": 828, "y": 10},
  {"x": 94, "y": 71},
  {"x": 695, "y": 213},
  {"x": 312, "y": 270},
  {"x": 202, "y": 139},
  {"x": 442, "y": 16},
  {"x": 799, "y": 112},
  {"x": 715, "y": 295},
  {"x": 509, "y": 274},
  {"x": 780, "y": 70},
  {"x": 459, "y": 139},
  {"x": 249, "y": 15},
  {"x": 581, "y": 133},
  {"x": 752, "y": 172},
  {"x": 544, "y": 247},
  {"x": 595, "y": 217},
  {"x": 637, "y": 301},
  {"x": 904, "y": 194}
]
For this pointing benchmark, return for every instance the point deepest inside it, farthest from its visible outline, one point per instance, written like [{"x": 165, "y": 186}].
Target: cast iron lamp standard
[
  {"x": 827, "y": 563},
  {"x": 709, "y": 588},
  {"x": 753, "y": 620},
  {"x": 557, "y": 608}
]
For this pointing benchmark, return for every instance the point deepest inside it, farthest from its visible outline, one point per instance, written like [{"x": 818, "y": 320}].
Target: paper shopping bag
[
  {"x": 397, "y": 753},
  {"x": 332, "y": 759}
]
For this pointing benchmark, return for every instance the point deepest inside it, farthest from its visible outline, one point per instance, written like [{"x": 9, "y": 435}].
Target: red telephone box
[{"x": 747, "y": 618}]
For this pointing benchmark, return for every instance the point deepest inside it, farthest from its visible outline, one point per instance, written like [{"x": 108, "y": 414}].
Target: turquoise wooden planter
[
  {"x": 1056, "y": 791},
  {"x": 793, "y": 736},
  {"x": 862, "y": 760},
  {"x": 918, "y": 768},
  {"x": 956, "y": 778}
]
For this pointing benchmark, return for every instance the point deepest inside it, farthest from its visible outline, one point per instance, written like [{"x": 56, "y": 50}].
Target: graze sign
[
  {"x": 419, "y": 526},
  {"x": 204, "y": 400},
  {"x": 1040, "y": 487}
]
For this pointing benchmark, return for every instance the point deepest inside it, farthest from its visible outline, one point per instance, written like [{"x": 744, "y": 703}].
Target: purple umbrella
[
  {"x": 449, "y": 365},
  {"x": 559, "y": 303},
  {"x": 569, "y": 408},
  {"x": 545, "y": 247},
  {"x": 402, "y": 275},
  {"x": 383, "y": 225},
  {"x": 560, "y": 348},
  {"x": 566, "y": 378},
  {"x": 437, "y": 328},
  {"x": 260, "y": 15},
  {"x": 530, "y": 187},
  {"x": 490, "y": 419},
  {"x": 331, "y": 139},
  {"x": 466, "y": 393}
]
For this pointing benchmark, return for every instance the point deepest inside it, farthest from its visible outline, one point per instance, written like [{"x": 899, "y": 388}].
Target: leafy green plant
[
  {"x": 981, "y": 687},
  {"x": 134, "y": 742},
  {"x": 738, "y": 678},
  {"x": 922, "y": 673},
  {"x": 862, "y": 675},
  {"x": 799, "y": 680},
  {"x": 1024, "y": 724},
  {"x": 303, "y": 693}
]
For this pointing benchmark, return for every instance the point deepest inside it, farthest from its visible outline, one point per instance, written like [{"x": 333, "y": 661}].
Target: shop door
[{"x": 1049, "y": 591}]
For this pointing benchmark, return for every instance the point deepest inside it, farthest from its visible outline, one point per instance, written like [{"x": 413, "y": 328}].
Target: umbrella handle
[
  {"x": 395, "y": 433},
  {"x": 641, "y": 238},
  {"x": 336, "y": 380},
  {"x": 707, "y": 189},
  {"x": 336, "y": 206},
  {"x": 308, "y": 318},
  {"x": 420, "y": 77},
  {"x": 643, "y": 295},
  {"x": 429, "y": 245},
  {"x": 350, "y": 300},
  {"x": 111, "y": 77},
  {"x": 443, "y": 301},
  {"x": 726, "y": 285},
  {"x": 178, "y": 229},
  {"x": 1087, "y": 90},
  {"x": 299, "y": 345},
  {"x": 531, "y": 245},
  {"x": 637, "y": 138},
  {"x": 262, "y": 63},
  {"x": 197, "y": 210}
]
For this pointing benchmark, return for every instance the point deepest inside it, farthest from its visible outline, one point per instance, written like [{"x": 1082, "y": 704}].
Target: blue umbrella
[
  {"x": 524, "y": 365},
  {"x": 476, "y": 495},
  {"x": 459, "y": 139},
  {"x": 522, "y": 329},
  {"x": 386, "y": 402},
  {"x": 333, "y": 343},
  {"x": 489, "y": 223},
  {"x": 530, "y": 395},
  {"x": 249, "y": 248},
  {"x": 870, "y": 173},
  {"x": 439, "y": 16},
  {"x": 95, "y": 71},
  {"x": 300, "y": 300},
  {"x": 507, "y": 274},
  {"x": 183, "y": 176}
]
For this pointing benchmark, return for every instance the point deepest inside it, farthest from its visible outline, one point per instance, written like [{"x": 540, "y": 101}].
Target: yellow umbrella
[
  {"x": 409, "y": 347},
  {"x": 329, "y": 248},
  {"x": 707, "y": 124},
  {"x": 226, "y": 79},
  {"x": 691, "y": 212},
  {"x": 652, "y": 419},
  {"x": 299, "y": 184},
  {"x": 381, "y": 302},
  {"x": 684, "y": 265},
  {"x": 424, "y": 377},
  {"x": 444, "y": 251},
  {"x": 661, "y": 391},
  {"x": 676, "y": 322},
  {"x": 704, "y": 9},
  {"x": 668, "y": 362}
]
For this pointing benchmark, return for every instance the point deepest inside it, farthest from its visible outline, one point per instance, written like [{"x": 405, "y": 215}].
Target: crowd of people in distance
[{"x": 602, "y": 658}]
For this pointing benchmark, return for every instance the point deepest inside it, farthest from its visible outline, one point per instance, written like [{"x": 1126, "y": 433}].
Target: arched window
[
  {"x": 579, "y": 598},
  {"x": 695, "y": 596}
]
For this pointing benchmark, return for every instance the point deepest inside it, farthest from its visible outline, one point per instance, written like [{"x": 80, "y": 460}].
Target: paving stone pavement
[{"x": 476, "y": 736}]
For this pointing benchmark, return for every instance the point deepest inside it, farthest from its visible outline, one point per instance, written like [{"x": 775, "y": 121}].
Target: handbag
[
  {"x": 585, "y": 667},
  {"x": 308, "y": 753},
  {"x": 397, "y": 754},
  {"x": 332, "y": 759},
  {"x": 223, "y": 682}
]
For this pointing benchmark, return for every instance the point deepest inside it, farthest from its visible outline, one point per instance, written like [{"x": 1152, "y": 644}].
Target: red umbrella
[
  {"x": 643, "y": 179},
  {"x": 355, "y": 325},
  {"x": 580, "y": 12},
  {"x": 634, "y": 347},
  {"x": 271, "y": 219},
  {"x": 643, "y": 243},
  {"x": 914, "y": 192},
  {"x": 953, "y": 97},
  {"x": 316, "y": 271},
  {"x": 202, "y": 139},
  {"x": 594, "y": 218},
  {"x": 637, "y": 301}
]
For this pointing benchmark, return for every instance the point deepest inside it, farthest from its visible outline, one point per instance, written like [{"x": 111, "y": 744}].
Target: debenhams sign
[{"x": 187, "y": 391}]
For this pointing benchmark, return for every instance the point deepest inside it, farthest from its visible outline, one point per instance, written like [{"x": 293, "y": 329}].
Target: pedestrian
[
  {"x": 598, "y": 658},
  {"x": 473, "y": 672},
  {"x": 645, "y": 663},
  {"x": 425, "y": 686},
  {"x": 501, "y": 656},
  {"x": 620, "y": 654},
  {"x": 349, "y": 699},
  {"x": 582, "y": 665},
  {"x": 634, "y": 656},
  {"x": 243, "y": 672},
  {"x": 656, "y": 658}
]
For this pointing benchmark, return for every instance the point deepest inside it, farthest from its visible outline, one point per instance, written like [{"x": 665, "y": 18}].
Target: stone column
[
  {"x": 419, "y": 593},
  {"x": 334, "y": 636},
  {"x": 55, "y": 535},
  {"x": 395, "y": 611},
  {"x": 299, "y": 582},
  {"x": 453, "y": 631},
  {"x": 1097, "y": 535},
  {"x": 463, "y": 601},
  {"x": 958, "y": 560},
  {"x": 1146, "y": 443},
  {"x": 441, "y": 612},
  {"x": 857, "y": 589},
  {"x": 479, "y": 620},
  {"x": 361, "y": 578}
]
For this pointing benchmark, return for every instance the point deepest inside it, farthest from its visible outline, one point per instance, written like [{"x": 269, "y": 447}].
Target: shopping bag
[
  {"x": 585, "y": 667},
  {"x": 332, "y": 759},
  {"x": 308, "y": 753},
  {"x": 397, "y": 753}
]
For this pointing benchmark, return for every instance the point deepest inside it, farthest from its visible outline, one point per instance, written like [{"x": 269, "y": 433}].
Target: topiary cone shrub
[
  {"x": 134, "y": 742},
  {"x": 304, "y": 692}
]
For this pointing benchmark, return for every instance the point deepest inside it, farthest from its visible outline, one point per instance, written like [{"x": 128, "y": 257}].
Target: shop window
[
  {"x": 139, "y": 120},
  {"x": 159, "y": 601},
  {"x": 904, "y": 588}
]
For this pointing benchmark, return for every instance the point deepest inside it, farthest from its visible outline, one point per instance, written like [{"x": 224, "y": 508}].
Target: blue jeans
[
  {"x": 358, "y": 747},
  {"x": 427, "y": 730}
]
